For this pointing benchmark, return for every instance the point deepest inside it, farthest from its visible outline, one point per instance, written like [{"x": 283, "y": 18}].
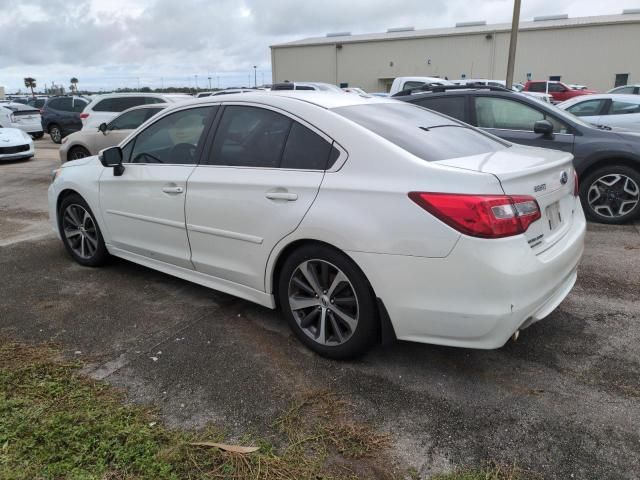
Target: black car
[
  {"x": 61, "y": 116},
  {"x": 606, "y": 159}
]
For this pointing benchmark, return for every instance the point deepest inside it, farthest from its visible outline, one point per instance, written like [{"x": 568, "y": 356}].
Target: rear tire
[
  {"x": 80, "y": 232},
  {"x": 78, "y": 152},
  {"x": 55, "y": 133},
  {"x": 611, "y": 194},
  {"x": 328, "y": 302},
  {"x": 37, "y": 136}
]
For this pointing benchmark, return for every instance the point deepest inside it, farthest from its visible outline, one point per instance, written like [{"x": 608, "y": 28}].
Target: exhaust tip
[{"x": 515, "y": 335}]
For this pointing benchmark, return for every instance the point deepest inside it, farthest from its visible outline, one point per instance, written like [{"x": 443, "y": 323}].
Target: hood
[
  {"x": 13, "y": 136},
  {"x": 81, "y": 161}
]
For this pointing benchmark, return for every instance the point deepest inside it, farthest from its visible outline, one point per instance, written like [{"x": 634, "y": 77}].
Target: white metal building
[{"x": 599, "y": 52}]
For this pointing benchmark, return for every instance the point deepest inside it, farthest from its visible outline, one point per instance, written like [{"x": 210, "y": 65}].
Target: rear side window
[
  {"x": 64, "y": 104},
  {"x": 586, "y": 108},
  {"x": 537, "y": 87},
  {"x": 420, "y": 132},
  {"x": 132, "y": 120},
  {"x": 120, "y": 104},
  {"x": 78, "y": 105},
  {"x": 305, "y": 149},
  {"x": 621, "y": 108},
  {"x": 452, "y": 106}
]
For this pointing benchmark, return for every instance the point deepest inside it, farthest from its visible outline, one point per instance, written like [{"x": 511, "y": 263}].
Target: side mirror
[
  {"x": 103, "y": 128},
  {"x": 543, "y": 127},
  {"x": 112, "y": 157}
]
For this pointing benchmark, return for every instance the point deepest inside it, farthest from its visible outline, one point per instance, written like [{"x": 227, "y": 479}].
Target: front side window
[
  {"x": 132, "y": 120},
  {"x": 501, "y": 113},
  {"x": 556, "y": 88},
  {"x": 537, "y": 87},
  {"x": 452, "y": 106},
  {"x": 586, "y": 108},
  {"x": 172, "y": 139},
  {"x": 250, "y": 137},
  {"x": 423, "y": 133},
  {"x": 622, "y": 108}
]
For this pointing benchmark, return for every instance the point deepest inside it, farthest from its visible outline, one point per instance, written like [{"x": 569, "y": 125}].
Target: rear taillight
[
  {"x": 576, "y": 185},
  {"x": 484, "y": 216},
  {"x": 84, "y": 115}
]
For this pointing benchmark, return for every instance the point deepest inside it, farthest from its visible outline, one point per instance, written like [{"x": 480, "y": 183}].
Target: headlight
[{"x": 55, "y": 174}]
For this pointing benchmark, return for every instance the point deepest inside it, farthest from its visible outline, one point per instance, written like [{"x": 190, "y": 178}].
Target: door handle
[
  {"x": 172, "y": 189},
  {"x": 290, "y": 197}
]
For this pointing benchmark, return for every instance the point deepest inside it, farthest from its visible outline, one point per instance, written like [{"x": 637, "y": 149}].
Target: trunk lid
[{"x": 546, "y": 175}]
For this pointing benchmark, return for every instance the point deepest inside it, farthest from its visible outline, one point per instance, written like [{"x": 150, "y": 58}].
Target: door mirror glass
[
  {"x": 544, "y": 127},
  {"x": 103, "y": 127}
]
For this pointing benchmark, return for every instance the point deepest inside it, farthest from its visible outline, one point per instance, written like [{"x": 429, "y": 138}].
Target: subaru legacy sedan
[{"x": 361, "y": 219}]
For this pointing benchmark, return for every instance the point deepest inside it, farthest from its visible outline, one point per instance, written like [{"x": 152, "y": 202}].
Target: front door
[
  {"x": 514, "y": 121},
  {"x": 143, "y": 209},
  {"x": 253, "y": 187}
]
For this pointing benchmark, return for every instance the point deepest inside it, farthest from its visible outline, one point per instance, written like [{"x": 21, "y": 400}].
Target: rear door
[
  {"x": 513, "y": 120},
  {"x": 253, "y": 187}
]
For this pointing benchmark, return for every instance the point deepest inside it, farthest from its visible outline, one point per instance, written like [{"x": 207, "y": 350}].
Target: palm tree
[
  {"x": 74, "y": 84},
  {"x": 30, "y": 83}
]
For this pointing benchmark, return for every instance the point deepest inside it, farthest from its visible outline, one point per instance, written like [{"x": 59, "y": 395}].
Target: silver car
[
  {"x": 89, "y": 142},
  {"x": 22, "y": 117}
]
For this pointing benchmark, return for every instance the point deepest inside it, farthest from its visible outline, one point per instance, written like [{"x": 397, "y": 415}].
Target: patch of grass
[
  {"x": 490, "y": 472},
  {"x": 57, "y": 424}
]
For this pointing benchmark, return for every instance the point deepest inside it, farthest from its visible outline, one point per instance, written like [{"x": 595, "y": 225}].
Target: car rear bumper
[
  {"x": 479, "y": 295},
  {"x": 30, "y": 128}
]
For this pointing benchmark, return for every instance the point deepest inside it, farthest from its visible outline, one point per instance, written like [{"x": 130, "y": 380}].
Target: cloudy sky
[{"x": 126, "y": 43}]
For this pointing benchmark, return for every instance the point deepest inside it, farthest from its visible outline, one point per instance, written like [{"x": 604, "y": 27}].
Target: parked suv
[
  {"x": 61, "y": 116},
  {"x": 104, "y": 108},
  {"x": 606, "y": 159},
  {"x": 558, "y": 90}
]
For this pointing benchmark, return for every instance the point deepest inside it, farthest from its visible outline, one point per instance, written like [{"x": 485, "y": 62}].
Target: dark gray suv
[{"x": 607, "y": 159}]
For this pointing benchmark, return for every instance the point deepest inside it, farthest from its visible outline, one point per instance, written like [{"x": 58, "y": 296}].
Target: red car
[{"x": 559, "y": 91}]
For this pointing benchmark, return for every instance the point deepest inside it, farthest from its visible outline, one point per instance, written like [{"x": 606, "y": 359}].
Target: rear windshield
[{"x": 423, "y": 133}]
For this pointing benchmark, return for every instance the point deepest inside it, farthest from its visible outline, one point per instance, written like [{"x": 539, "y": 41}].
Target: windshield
[{"x": 421, "y": 132}]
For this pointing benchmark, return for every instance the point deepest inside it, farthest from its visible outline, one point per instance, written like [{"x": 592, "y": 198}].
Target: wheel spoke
[
  {"x": 74, "y": 215},
  {"x": 631, "y": 205},
  {"x": 71, "y": 233},
  {"x": 336, "y": 328},
  {"x": 303, "y": 286},
  {"x": 82, "y": 242},
  {"x": 322, "y": 328},
  {"x": 310, "y": 318},
  {"x": 298, "y": 303},
  {"x": 631, "y": 187},
  {"x": 310, "y": 275},
  {"x": 345, "y": 301},
  {"x": 337, "y": 280},
  {"x": 92, "y": 241},
  {"x": 86, "y": 217},
  {"x": 350, "y": 321}
]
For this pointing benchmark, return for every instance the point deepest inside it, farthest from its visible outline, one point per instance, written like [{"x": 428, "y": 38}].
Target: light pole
[
  {"x": 515, "y": 23},
  {"x": 255, "y": 76},
  {"x": 196, "y": 76},
  {"x": 209, "y": 77}
]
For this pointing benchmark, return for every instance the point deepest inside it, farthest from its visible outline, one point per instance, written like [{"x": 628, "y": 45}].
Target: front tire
[
  {"x": 37, "y": 136},
  {"x": 611, "y": 194},
  {"x": 328, "y": 302},
  {"x": 80, "y": 232},
  {"x": 78, "y": 152},
  {"x": 55, "y": 133}
]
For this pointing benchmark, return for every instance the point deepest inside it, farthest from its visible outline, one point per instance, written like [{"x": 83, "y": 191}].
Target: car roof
[
  {"x": 321, "y": 99},
  {"x": 159, "y": 106},
  {"x": 600, "y": 96}
]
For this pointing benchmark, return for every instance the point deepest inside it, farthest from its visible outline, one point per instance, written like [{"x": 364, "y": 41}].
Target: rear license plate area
[{"x": 554, "y": 217}]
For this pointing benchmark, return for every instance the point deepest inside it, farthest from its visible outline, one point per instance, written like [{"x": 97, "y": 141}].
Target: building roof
[{"x": 474, "y": 28}]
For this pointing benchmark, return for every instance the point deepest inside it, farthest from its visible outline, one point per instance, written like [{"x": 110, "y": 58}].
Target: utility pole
[
  {"x": 515, "y": 23},
  {"x": 255, "y": 76}
]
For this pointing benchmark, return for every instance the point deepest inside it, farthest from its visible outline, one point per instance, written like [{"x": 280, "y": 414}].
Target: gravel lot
[{"x": 563, "y": 401}]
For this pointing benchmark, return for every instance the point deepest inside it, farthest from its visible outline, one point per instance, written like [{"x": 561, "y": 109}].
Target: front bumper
[
  {"x": 19, "y": 155},
  {"x": 480, "y": 294}
]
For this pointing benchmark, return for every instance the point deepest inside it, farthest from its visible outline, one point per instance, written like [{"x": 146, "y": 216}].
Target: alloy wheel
[
  {"x": 80, "y": 231},
  {"x": 323, "y": 302},
  {"x": 56, "y": 136},
  {"x": 613, "y": 195}
]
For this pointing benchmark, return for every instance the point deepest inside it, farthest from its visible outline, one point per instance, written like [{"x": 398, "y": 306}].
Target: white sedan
[
  {"x": 23, "y": 117},
  {"x": 362, "y": 219},
  {"x": 609, "y": 109},
  {"x": 15, "y": 144}
]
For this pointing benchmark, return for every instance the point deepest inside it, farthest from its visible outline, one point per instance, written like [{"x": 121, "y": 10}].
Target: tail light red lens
[
  {"x": 84, "y": 115},
  {"x": 576, "y": 185},
  {"x": 484, "y": 216}
]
